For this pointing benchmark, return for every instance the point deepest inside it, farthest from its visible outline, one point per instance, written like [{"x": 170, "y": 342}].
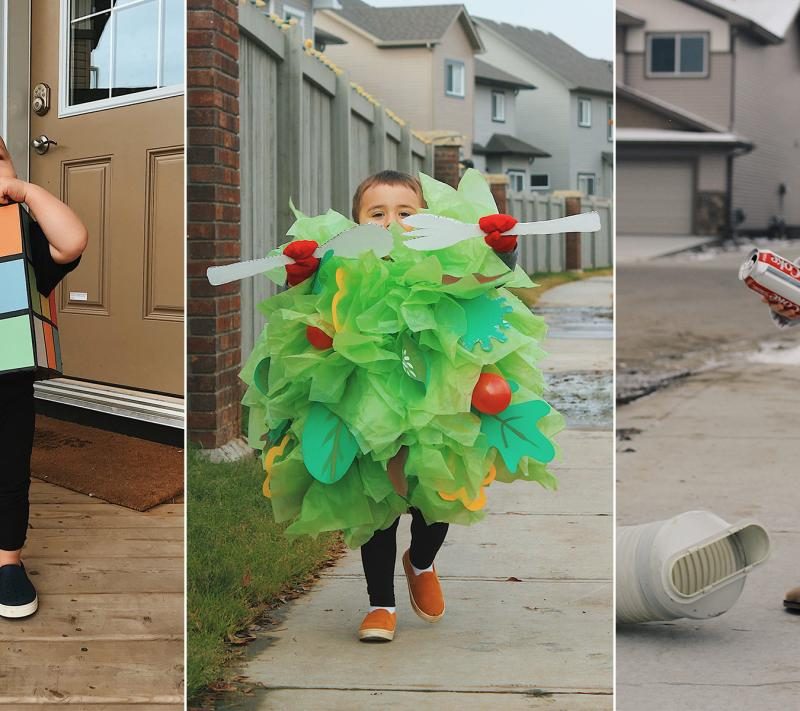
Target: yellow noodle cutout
[
  {"x": 269, "y": 459},
  {"x": 337, "y": 297}
]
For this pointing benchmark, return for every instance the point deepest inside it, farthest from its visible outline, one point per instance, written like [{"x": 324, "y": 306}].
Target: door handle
[{"x": 42, "y": 144}]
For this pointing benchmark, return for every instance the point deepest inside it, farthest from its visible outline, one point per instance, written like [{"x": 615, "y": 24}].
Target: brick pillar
[
  {"x": 445, "y": 164},
  {"x": 498, "y": 184},
  {"x": 213, "y": 342}
]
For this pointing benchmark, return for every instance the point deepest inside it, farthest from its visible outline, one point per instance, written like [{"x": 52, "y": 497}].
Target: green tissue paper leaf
[
  {"x": 515, "y": 434},
  {"x": 328, "y": 446}
]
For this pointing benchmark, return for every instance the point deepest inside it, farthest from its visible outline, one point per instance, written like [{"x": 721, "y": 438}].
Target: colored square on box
[
  {"x": 41, "y": 348},
  {"x": 10, "y": 231},
  {"x": 51, "y": 300},
  {"x": 50, "y": 345},
  {"x": 57, "y": 339},
  {"x": 44, "y": 306},
  {"x": 13, "y": 286},
  {"x": 16, "y": 345},
  {"x": 36, "y": 297}
]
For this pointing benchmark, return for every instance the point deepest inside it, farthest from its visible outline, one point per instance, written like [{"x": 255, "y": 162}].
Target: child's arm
[{"x": 63, "y": 229}]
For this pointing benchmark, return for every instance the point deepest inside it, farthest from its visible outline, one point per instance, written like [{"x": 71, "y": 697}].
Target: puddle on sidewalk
[
  {"x": 577, "y": 321},
  {"x": 584, "y": 398}
]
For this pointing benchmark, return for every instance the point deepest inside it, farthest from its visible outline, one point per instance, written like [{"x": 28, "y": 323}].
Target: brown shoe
[
  {"x": 791, "y": 600},
  {"x": 378, "y": 626},
  {"x": 425, "y": 592}
]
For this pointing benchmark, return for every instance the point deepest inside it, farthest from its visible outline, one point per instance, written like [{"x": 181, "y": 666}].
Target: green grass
[
  {"x": 239, "y": 561},
  {"x": 548, "y": 280}
]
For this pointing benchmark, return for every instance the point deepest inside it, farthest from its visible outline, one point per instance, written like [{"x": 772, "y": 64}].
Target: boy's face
[
  {"x": 6, "y": 166},
  {"x": 383, "y": 204}
]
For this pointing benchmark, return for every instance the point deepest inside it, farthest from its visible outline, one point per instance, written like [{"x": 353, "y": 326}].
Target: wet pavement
[{"x": 689, "y": 313}]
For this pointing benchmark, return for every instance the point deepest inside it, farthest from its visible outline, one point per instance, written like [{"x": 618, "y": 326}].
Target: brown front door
[{"x": 114, "y": 69}]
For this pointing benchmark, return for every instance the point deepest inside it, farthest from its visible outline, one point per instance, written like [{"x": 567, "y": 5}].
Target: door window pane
[
  {"x": 135, "y": 51},
  {"x": 692, "y": 54},
  {"x": 121, "y": 47},
  {"x": 662, "y": 54}
]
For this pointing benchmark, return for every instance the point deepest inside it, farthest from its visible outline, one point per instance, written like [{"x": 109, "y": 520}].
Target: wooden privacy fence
[
  {"x": 306, "y": 134},
  {"x": 548, "y": 254}
]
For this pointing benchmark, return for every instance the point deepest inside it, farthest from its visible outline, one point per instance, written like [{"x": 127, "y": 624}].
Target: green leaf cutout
[
  {"x": 414, "y": 360},
  {"x": 328, "y": 446},
  {"x": 515, "y": 434},
  {"x": 274, "y": 436},
  {"x": 485, "y": 321}
]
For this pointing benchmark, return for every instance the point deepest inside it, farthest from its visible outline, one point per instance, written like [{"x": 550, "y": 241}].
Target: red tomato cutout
[
  {"x": 492, "y": 394},
  {"x": 318, "y": 338}
]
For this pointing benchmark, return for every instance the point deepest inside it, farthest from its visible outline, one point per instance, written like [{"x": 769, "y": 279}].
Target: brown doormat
[{"x": 123, "y": 470}]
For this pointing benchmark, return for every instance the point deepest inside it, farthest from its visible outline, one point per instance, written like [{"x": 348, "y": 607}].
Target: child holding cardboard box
[{"x": 57, "y": 238}]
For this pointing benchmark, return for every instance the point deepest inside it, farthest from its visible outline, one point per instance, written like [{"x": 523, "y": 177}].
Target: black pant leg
[
  {"x": 17, "y": 422},
  {"x": 378, "y": 557},
  {"x": 426, "y": 540}
]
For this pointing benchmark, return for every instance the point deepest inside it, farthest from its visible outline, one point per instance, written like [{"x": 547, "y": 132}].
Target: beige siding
[
  {"x": 450, "y": 113},
  {"x": 673, "y": 16},
  {"x": 767, "y": 108},
  {"x": 709, "y": 97},
  {"x": 631, "y": 115},
  {"x": 398, "y": 78},
  {"x": 712, "y": 172}
]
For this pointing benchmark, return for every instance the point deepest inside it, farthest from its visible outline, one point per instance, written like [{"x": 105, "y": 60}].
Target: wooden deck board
[{"x": 109, "y": 631}]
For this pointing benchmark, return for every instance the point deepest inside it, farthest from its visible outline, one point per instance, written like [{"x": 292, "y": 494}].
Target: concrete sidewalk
[
  {"x": 528, "y": 590},
  {"x": 725, "y": 441}
]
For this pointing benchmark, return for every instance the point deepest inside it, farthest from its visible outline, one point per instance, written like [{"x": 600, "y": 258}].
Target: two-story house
[
  {"x": 496, "y": 147},
  {"x": 303, "y": 11},
  {"x": 418, "y": 61},
  {"x": 707, "y": 99},
  {"x": 570, "y": 113}
]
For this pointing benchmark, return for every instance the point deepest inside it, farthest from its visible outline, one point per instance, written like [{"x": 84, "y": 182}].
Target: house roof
[
  {"x": 327, "y": 38},
  {"x": 575, "y": 69},
  {"x": 503, "y": 144},
  {"x": 768, "y": 19},
  {"x": 487, "y": 74},
  {"x": 625, "y": 19},
  {"x": 674, "y": 113},
  {"x": 407, "y": 26}
]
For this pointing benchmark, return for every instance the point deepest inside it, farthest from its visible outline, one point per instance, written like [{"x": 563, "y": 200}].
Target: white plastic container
[{"x": 693, "y": 565}]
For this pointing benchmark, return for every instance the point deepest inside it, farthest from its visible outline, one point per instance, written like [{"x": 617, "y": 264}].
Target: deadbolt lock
[{"x": 41, "y": 99}]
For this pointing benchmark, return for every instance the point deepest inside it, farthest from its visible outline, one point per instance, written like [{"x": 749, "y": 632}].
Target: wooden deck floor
[{"x": 109, "y": 631}]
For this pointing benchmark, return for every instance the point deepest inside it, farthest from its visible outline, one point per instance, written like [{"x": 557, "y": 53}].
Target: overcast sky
[{"x": 588, "y": 25}]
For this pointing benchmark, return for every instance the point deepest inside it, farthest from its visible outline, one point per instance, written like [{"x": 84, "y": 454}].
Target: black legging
[
  {"x": 379, "y": 552},
  {"x": 17, "y": 421}
]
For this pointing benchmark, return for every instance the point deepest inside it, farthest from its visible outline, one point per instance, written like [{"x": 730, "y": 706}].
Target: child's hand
[
  {"x": 13, "y": 190},
  {"x": 789, "y": 312}
]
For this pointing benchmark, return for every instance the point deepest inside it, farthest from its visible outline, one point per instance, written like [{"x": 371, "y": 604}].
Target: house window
[
  {"x": 294, "y": 13},
  {"x": 454, "y": 78},
  {"x": 540, "y": 181},
  {"x": 114, "y": 54},
  {"x": 516, "y": 180},
  {"x": 585, "y": 112},
  {"x": 586, "y": 183},
  {"x": 677, "y": 55},
  {"x": 610, "y": 114},
  {"x": 499, "y": 106}
]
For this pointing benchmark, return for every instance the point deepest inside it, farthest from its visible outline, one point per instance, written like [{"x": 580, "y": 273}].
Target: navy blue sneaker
[{"x": 17, "y": 594}]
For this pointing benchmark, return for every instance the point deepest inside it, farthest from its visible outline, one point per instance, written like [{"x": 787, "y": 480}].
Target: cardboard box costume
[{"x": 29, "y": 339}]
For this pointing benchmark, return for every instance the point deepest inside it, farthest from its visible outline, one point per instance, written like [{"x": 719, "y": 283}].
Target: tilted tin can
[{"x": 772, "y": 276}]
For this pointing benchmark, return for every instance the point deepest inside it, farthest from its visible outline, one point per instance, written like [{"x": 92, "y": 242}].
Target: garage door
[{"x": 654, "y": 198}]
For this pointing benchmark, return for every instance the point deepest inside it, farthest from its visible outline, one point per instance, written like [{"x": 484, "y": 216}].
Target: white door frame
[{"x": 15, "y": 52}]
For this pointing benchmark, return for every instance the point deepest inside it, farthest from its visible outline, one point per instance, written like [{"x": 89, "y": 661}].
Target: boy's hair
[{"x": 385, "y": 177}]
